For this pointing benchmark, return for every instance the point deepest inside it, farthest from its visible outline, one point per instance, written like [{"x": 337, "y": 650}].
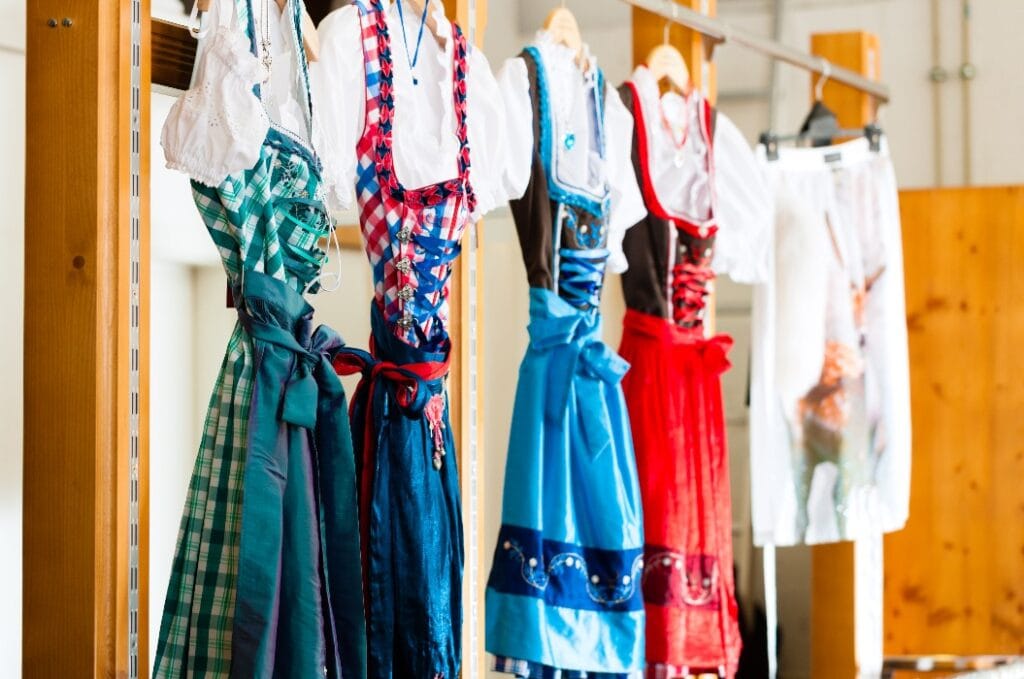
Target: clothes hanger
[
  {"x": 821, "y": 126},
  {"x": 310, "y": 41},
  {"x": 666, "y": 62},
  {"x": 561, "y": 24}
]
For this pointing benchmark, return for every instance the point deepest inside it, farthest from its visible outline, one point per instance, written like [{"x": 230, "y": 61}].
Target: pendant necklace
[
  {"x": 265, "y": 42},
  {"x": 678, "y": 139},
  {"x": 414, "y": 56}
]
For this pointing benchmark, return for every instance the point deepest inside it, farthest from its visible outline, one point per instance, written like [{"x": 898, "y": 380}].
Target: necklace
[
  {"x": 265, "y": 43},
  {"x": 413, "y": 57},
  {"x": 678, "y": 139}
]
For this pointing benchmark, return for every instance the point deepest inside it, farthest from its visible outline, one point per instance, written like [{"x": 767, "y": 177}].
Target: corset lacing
[
  {"x": 581, "y": 274},
  {"x": 690, "y": 293},
  {"x": 310, "y": 216},
  {"x": 426, "y": 299}
]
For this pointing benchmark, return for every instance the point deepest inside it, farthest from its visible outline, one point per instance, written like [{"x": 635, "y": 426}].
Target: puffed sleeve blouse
[
  {"x": 426, "y": 147},
  {"x": 576, "y": 163}
]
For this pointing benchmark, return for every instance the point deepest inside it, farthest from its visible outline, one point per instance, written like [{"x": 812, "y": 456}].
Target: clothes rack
[
  {"x": 174, "y": 49},
  {"x": 718, "y": 32}
]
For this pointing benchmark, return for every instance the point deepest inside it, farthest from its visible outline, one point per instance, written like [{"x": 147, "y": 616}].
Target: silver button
[
  {"x": 404, "y": 265},
  {"x": 406, "y": 293},
  {"x": 406, "y": 321},
  {"x": 584, "y": 229},
  {"x": 405, "y": 234}
]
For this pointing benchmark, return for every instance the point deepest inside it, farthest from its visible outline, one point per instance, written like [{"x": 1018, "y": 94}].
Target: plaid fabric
[
  {"x": 531, "y": 670},
  {"x": 247, "y": 218},
  {"x": 411, "y": 236}
]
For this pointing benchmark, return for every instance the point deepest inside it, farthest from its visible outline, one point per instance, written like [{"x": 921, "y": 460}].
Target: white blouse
[
  {"x": 746, "y": 208},
  {"x": 217, "y": 128},
  {"x": 731, "y": 190},
  {"x": 425, "y": 146},
  {"x": 578, "y": 166},
  {"x": 677, "y": 151}
]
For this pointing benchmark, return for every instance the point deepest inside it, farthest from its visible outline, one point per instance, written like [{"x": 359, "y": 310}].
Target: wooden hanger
[
  {"x": 666, "y": 62},
  {"x": 561, "y": 24},
  {"x": 310, "y": 40},
  {"x": 432, "y": 24}
]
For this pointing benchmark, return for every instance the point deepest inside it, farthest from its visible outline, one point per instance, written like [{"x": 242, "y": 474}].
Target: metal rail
[{"x": 719, "y": 32}]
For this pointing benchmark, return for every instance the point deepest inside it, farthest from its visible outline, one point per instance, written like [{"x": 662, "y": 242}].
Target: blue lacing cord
[
  {"x": 581, "y": 274},
  {"x": 438, "y": 252}
]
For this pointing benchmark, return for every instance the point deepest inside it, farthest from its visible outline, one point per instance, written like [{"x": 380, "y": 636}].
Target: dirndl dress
[
  {"x": 563, "y": 598},
  {"x": 674, "y": 396},
  {"x": 265, "y": 578},
  {"x": 410, "y": 513}
]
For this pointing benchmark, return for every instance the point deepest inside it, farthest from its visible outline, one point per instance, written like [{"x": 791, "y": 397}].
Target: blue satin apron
[{"x": 411, "y": 512}]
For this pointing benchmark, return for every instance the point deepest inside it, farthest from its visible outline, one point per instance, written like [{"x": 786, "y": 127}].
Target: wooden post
[
  {"x": 858, "y": 51},
  {"x": 467, "y": 335},
  {"x": 78, "y": 474},
  {"x": 832, "y": 582}
]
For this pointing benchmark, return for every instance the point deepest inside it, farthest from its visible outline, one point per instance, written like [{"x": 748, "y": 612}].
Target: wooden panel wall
[
  {"x": 955, "y": 575},
  {"x": 76, "y": 339}
]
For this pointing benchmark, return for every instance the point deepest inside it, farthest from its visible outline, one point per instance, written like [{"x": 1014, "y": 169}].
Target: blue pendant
[{"x": 569, "y": 141}]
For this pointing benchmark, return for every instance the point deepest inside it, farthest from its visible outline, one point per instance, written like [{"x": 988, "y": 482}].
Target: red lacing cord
[{"x": 689, "y": 291}]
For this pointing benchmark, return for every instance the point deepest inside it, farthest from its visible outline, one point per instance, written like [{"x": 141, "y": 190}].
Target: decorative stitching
[
  {"x": 677, "y": 572},
  {"x": 538, "y": 576},
  {"x": 597, "y": 206}
]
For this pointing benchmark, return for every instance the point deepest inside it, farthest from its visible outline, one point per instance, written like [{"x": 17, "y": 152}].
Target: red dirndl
[{"x": 674, "y": 395}]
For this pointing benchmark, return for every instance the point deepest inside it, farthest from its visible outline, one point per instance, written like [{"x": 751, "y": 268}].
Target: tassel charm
[{"x": 434, "y": 413}]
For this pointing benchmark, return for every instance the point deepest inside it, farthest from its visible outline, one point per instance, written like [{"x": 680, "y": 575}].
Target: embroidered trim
[
  {"x": 578, "y": 197},
  {"x": 435, "y": 194},
  {"x": 537, "y": 575},
  {"x": 674, "y": 578}
]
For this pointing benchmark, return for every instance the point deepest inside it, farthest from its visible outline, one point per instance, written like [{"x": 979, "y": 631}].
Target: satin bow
[
  {"x": 411, "y": 390},
  {"x": 312, "y": 373},
  {"x": 578, "y": 368}
]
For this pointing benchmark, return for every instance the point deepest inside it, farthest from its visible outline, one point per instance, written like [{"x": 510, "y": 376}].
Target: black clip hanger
[{"x": 874, "y": 136}]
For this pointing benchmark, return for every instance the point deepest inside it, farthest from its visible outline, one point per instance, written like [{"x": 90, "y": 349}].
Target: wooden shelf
[{"x": 174, "y": 53}]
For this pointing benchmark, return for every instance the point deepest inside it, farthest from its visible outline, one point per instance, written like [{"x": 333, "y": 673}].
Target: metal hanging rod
[{"x": 719, "y": 32}]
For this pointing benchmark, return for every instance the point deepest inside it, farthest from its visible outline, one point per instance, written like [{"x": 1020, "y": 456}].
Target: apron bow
[{"x": 581, "y": 367}]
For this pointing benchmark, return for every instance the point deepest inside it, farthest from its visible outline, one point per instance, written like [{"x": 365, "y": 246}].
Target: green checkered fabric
[
  {"x": 246, "y": 217},
  {"x": 195, "y": 633}
]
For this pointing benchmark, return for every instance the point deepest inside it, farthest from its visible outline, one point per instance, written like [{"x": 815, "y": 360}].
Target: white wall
[
  {"x": 12, "y": 229},
  {"x": 172, "y": 423},
  {"x": 903, "y": 27}
]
